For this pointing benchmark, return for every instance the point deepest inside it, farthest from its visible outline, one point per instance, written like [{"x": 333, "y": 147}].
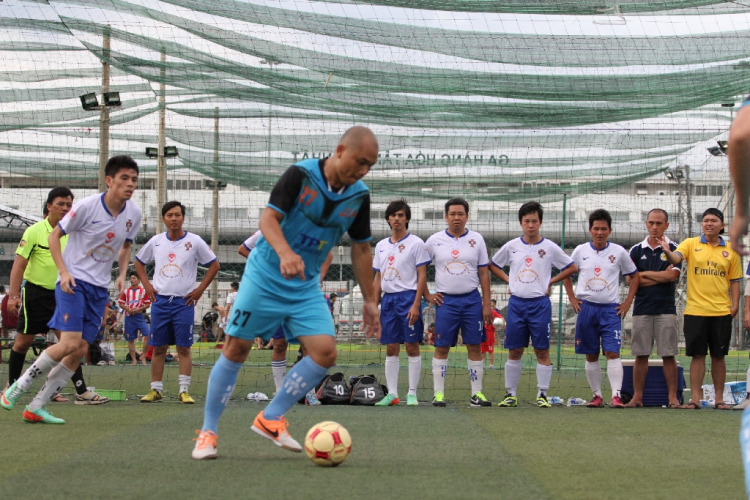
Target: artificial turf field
[{"x": 133, "y": 450}]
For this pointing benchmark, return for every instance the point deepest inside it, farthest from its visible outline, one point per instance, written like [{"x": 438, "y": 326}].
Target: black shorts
[
  {"x": 37, "y": 308},
  {"x": 707, "y": 333}
]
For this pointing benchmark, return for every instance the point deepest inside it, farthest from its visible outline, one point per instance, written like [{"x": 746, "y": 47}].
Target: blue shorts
[
  {"x": 81, "y": 312},
  {"x": 459, "y": 312},
  {"x": 394, "y": 324},
  {"x": 528, "y": 318},
  {"x": 133, "y": 324},
  {"x": 598, "y": 324},
  {"x": 258, "y": 312},
  {"x": 171, "y": 322},
  {"x": 279, "y": 334}
]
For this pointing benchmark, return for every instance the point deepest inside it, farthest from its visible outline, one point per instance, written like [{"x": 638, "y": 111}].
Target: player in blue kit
[{"x": 310, "y": 208}]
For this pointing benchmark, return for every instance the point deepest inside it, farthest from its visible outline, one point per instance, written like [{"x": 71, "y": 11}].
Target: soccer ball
[
  {"x": 328, "y": 444},
  {"x": 498, "y": 322}
]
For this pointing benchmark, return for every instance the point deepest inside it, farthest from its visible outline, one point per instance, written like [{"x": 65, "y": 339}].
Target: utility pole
[
  {"x": 215, "y": 205},
  {"x": 161, "y": 162},
  {"x": 104, "y": 112}
]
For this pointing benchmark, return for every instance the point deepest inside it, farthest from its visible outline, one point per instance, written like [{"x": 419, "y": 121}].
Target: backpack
[
  {"x": 334, "y": 390},
  {"x": 366, "y": 390}
]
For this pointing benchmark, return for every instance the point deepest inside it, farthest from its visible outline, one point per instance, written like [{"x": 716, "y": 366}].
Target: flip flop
[
  {"x": 633, "y": 404},
  {"x": 674, "y": 406},
  {"x": 59, "y": 399},
  {"x": 722, "y": 406},
  {"x": 690, "y": 406}
]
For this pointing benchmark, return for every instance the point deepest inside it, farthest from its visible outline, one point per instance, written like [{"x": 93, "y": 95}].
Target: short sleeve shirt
[
  {"x": 599, "y": 272},
  {"x": 398, "y": 262},
  {"x": 175, "y": 262},
  {"x": 709, "y": 271},
  {"x": 34, "y": 247},
  {"x": 96, "y": 236},
  {"x": 252, "y": 240},
  {"x": 457, "y": 261},
  {"x": 655, "y": 299},
  {"x": 531, "y": 265}
]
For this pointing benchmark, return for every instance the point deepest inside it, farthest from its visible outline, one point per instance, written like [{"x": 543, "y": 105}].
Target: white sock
[
  {"x": 158, "y": 386},
  {"x": 439, "y": 368},
  {"x": 415, "y": 373},
  {"x": 543, "y": 376},
  {"x": 38, "y": 369},
  {"x": 513, "y": 370},
  {"x": 594, "y": 376},
  {"x": 476, "y": 375},
  {"x": 391, "y": 374},
  {"x": 184, "y": 382},
  {"x": 614, "y": 374},
  {"x": 57, "y": 379},
  {"x": 278, "y": 368}
]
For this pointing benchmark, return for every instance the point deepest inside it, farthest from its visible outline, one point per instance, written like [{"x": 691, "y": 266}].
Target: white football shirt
[
  {"x": 457, "y": 261},
  {"x": 531, "y": 265},
  {"x": 175, "y": 262},
  {"x": 95, "y": 238},
  {"x": 252, "y": 240},
  {"x": 398, "y": 262},
  {"x": 599, "y": 272}
]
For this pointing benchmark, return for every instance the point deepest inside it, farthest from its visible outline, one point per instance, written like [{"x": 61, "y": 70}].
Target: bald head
[
  {"x": 356, "y": 152},
  {"x": 358, "y": 136}
]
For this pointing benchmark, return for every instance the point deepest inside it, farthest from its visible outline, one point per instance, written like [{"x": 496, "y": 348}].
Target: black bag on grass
[
  {"x": 334, "y": 390},
  {"x": 366, "y": 390}
]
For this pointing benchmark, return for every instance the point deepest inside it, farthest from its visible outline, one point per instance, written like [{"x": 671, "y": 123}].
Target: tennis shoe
[
  {"x": 186, "y": 399},
  {"x": 312, "y": 398},
  {"x": 10, "y": 396},
  {"x": 388, "y": 400},
  {"x": 616, "y": 402},
  {"x": 205, "y": 445},
  {"x": 743, "y": 405},
  {"x": 90, "y": 398},
  {"x": 411, "y": 400},
  {"x": 478, "y": 400},
  {"x": 542, "y": 401},
  {"x": 439, "y": 399},
  {"x": 153, "y": 396},
  {"x": 275, "y": 430},
  {"x": 508, "y": 402},
  {"x": 40, "y": 416},
  {"x": 596, "y": 402}
]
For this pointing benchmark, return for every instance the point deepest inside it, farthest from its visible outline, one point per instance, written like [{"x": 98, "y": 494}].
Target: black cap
[{"x": 718, "y": 213}]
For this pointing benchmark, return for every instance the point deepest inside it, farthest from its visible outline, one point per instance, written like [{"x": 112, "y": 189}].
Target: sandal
[
  {"x": 691, "y": 405},
  {"x": 674, "y": 406},
  {"x": 59, "y": 398},
  {"x": 722, "y": 406}
]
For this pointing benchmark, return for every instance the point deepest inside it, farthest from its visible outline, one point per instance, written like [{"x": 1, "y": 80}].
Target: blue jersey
[{"x": 315, "y": 218}]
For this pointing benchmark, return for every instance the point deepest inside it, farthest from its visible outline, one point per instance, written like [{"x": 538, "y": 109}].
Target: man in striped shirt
[{"x": 134, "y": 302}]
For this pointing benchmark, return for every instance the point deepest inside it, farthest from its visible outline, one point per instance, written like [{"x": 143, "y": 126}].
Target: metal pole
[
  {"x": 560, "y": 305},
  {"x": 161, "y": 162},
  {"x": 215, "y": 205},
  {"x": 104, "y": 113},
  {"x": 689, "y": 203}
]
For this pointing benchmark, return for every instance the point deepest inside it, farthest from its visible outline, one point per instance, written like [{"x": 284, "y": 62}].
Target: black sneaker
[{"x": 478, "y": 399}]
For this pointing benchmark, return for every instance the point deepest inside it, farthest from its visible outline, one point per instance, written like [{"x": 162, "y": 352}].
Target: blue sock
[
  {"x": 303, "y": 376},
  {"x": 220, "y": 388}
]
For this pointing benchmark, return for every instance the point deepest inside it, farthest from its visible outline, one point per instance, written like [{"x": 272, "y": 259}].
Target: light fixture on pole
[
  {"x": 669, "y": 174},
  {"x": 679, "y": 173},
  {"x": 89, "y": 102},
  {"x": 169, "y": 152},
  {"x": 723, "y": 146}
]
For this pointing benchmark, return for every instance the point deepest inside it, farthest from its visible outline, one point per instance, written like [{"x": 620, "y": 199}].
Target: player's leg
[
  {"x": 587, "y": 342},
  {"x": 182, "y": 322},
  {"x": 516, "y": 340},
  {"x": 642, "y": 345},
  {"x": 392, "y": 331},
  {"x": 447, "y": 324},
  {"x": 162, "y": 335},
  {"x": 18, "y": 355},
  {"x": 611, "y": 334},
  {"x": 415, "y": 371},
  {"x": 721, "y": 336},
  {"x": 539, "y": 313},
  {"x": 144, "y": 348},
  {"x": 696, "y": 331},
  {"x": 473, "y": 333},
  {"x": 278, "y": 357}
]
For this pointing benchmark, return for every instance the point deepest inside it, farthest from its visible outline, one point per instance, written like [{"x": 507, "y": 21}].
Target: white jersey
[
  {"x": 175, "y": 262},
  {"x": 398, "y": 262},
  {"x": 457, "y": 261},
  {"x": 531, "y": 265},
  {"x": 252, "y": 240},
  {"x": 599, "y": 272},
  {"x": 95, "y": 238},
  {"x": 231, "y": 297}
]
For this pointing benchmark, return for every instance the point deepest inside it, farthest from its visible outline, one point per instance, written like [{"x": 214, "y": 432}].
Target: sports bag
[
  {"x": 366, "y": 390},
  {"x": 334, "y": 390}
]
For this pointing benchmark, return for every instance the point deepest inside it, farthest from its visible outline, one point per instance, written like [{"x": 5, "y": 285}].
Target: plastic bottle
[
  {"x": 576, "y": 402},
  {"x": 556, "y": 400}
]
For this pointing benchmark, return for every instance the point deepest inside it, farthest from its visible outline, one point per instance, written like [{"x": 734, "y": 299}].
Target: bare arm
[
  {"x": 672, "y": 257},
  {"x": 484, "y": 283},
  {"x": 193, "y": 297},
  {"x": 574, "y": 302},
  {"x": 16, "y": 278},
  {"x": 291, "y": 265},
  {"x": 413, "y": 314},
  {"x": 650, "y": 278},
  {"x": 242, "y": 250},
  {"x": 568, "y": 271},
  {"x": 734, "y": 293},
  {"x": 739, "y": 168},
  {"x": 376, "y": 285},
  {"x": 362, "y": 264},
  {"x": 140, "y": 270},
  {"x": 67, "y": 283},
  {"x": 123, "y": 260},
  {"x": 746, "y": 315},
  {"x": 326, "y": 265},
  {"x": 499, "y": 273},
  {"x": 623, "y": 308}
]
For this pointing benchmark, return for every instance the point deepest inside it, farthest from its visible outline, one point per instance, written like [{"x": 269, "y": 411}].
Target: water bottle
[
  {"x": 556, "y": 400},
  {"x": 706, "y": 403},
  {"x": 576, "y": 402}
]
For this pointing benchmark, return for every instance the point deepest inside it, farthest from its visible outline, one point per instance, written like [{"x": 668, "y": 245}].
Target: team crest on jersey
[
  {"x": 391, "y": 258},
  {"x": 188, "y": 246},
  {"x": 65, "y": 317},
  {"x": 725, "y": 254},
  {"x": 472, "y": 243},
  {"x": 22, "y": 244},
  {"x": 597, "y": 271},
  {"x": 529, "y": 260},
  {"x": 171, "y": 256},
  {"x": 612, "y": 259},
  {"x": 662, "y": 257},
  {"x": 72, "y": 213},
  {"x": 348, "y": 212},
  {"x": 401, "y": 248},
  {"x": 541, "y": 253},
  {"x": 110, "y": 236},
  {"x": 128, "y": 225},
  {"x": 455, "y": 254}
]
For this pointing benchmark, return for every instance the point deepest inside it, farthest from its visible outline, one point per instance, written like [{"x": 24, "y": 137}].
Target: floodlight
[
  {"x": 152, "y": 152},
  {"x": 111, "y": 99},
  {"x": 212, "y": 184},
  {"x": 679, "y": 173},
  {"x": 669, "y": 174},
  {"x": 170, "y": 151},
  {"x": 723, "y": 146},
  {"x": 727, "y": 104},
  {"x": 89, "y": 102},
  {"x": 716, "y": 151}
]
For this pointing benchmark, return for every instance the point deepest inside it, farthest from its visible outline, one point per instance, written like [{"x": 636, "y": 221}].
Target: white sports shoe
[
  {"x": 205, "y": 445},
  {"x": 745, "y": 404},
  {"x": 275, "y": 430}
]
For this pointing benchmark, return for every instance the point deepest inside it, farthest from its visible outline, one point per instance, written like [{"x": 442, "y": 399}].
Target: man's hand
[
  {"x": 622, "y": 309},
  {"x": 413, "y": 314},
  {"x": 193, "y": 297},
  {"x": 734, "y": 310},
  {"x": 291, "y": 266},
  {"x": 575, "y": 304},
  {"x": 434, "y": 298},
  {"x": 746, "y": 319},
  {"x": 487, "y": 313},
  {"x": 67, "y": 282},
  {"x": 371, "y": 319},
  {"x": 738, "y": 230},
  {"x": 150, "y": 292},
  {"x": 14, "y": 305},
  {"x": 120, "y": 284}
]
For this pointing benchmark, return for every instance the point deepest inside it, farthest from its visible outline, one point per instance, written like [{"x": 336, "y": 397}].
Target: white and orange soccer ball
[{"x": 328, "y": 444}]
